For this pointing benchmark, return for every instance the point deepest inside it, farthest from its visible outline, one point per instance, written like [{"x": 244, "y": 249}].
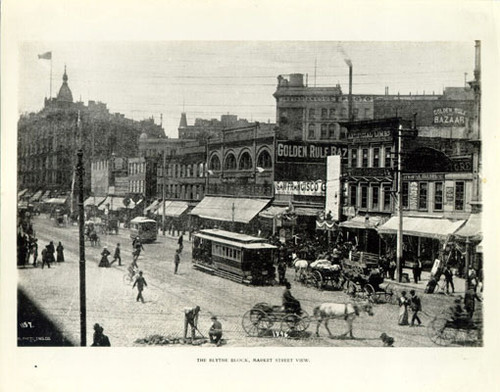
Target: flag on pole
[{"x": 45, "y": 56}]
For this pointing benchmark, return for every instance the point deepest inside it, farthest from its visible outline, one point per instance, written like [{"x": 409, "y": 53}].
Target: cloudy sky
[{"x": 210, "y": 78}]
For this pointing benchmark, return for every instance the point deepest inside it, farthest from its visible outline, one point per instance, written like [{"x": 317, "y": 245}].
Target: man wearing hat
[
  {"x": 215, "y": 332},
  {"x": 191, "y": 319},
  {"x": 289, "y": 302},
  {"x": 457, "y": 312},
  {"x": 100, "y": 340}
]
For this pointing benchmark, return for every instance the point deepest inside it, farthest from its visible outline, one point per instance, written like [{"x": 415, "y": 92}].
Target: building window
[
  {"x": 344, "y": 112},
  {"x": 324, "y": 114},
  {"x": 354, "y": 158},
  {"x": 311, "y": 132},
  {"x": 459, "y": 195},
  {"x": 364, "y": 196},
  {"x": 353, "y": 195},
  {"x": 422, "y": 195},
  {"x": 355, "y": 113},
  {"x": 376, "y": 157},
  {"x": 387, "y": 198},
  {"x": 364, "y": 162},
  {"x": 331, "y": 131},
  {"x": 388, "y": 160},
  {"x": 367, "y": 113},
  {"x": 333, "y": 113},
  {"x": 375, "y": 197},
  {"x": 230, "y": 162},
  {"x": 215, "y": 163},
  {"x": 312, "y": 114},
  {"x": 245, "y": 161},
  {"x": 405, "y": 194},
  {"x": 438, "y": 196},
  {"x": 264, "y": 160},
  {"x": 324, "y": 133}
]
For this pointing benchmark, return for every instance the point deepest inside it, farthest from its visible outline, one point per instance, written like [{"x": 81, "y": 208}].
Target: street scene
[{"x": 236, "y": 195}]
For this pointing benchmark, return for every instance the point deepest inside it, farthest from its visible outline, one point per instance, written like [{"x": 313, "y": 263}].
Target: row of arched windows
[{"x": 245, "y": 162}]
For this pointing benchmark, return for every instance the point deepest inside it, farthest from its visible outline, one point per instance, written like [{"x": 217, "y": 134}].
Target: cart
[
  {"x": 445, "y": 332},
  {"x": 260, "y": 320},
  {"x": 322, "y": 274}
]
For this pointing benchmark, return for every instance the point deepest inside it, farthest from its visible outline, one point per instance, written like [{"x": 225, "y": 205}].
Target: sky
[{"x": 209, "y": 78}]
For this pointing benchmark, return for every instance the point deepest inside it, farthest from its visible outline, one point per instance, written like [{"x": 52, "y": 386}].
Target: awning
[
  {"x": 94, "y": 201},
  {"x": 152, "y": 207},
  {"x": 21, "y": 193},
  {"x": 56, "y": 200},
  {"x": 45, "y": 196},
  {"x": 471, "y": 229},
  {"x": 364, "y": 222},
  {"x": 272, "y": 212},
  {"x": 303, "y": 211},
  {"x": 36, "y": 196},
  {"x": 229, "y": 209},
  {"x": 114, "y": 203},
  {"x": 172, "y": 208},
  {"x": 438, "y": 228}
]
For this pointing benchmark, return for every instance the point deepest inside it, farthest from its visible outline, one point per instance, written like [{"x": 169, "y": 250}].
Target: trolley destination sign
[{"x": 303, "y": 152}]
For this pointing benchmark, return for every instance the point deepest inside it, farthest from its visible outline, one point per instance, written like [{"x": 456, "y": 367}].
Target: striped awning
[{"x": 229, "y": 209}]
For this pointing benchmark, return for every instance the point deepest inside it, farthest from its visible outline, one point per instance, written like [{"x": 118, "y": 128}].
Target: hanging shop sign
[
  {"x": 304, "y": 152},
  {"x": 305, "y": 188}
]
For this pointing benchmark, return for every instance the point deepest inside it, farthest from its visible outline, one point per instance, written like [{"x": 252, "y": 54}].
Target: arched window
[
  {"x": 188, "y": 172},
  {"x": 230, "y": 163},
  {"x": 324, "y": 133},
  {"x": 214, "y": 163},
  {"x": 324, "y": 114},
  {"x": 245, "y": 161},
  {"x": 264, "y": 160},
  {"x": 311, "y": 132}
]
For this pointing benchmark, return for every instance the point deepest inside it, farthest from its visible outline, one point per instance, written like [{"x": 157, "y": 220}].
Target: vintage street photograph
[{"x": 222, "y": 194}]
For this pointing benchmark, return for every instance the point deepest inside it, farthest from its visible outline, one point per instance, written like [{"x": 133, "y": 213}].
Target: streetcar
[
  {"x": 144, "y": 228},
  {"x": 239, "y": 257}
]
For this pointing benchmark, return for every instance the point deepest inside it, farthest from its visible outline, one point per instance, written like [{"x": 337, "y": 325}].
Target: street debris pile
[{"x": 159, "y": 340}]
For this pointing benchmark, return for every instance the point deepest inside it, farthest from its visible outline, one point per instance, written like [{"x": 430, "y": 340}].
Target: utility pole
[
  {"x": 163, "y": 192},
  {"x": 399, "y": 246},
  {"x": 83, "y": 307}
]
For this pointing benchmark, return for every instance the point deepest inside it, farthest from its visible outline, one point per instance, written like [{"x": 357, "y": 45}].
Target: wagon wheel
[
  {"x": 294, "y": 323},
  {"x": 255, "y": 322},
  {"x": 370, "y": 292},
  {"x": 337, "y": 282},
  {"x": 317, "y": 280},
  {"x": 439, "y": 333},
  {"x": 390, "y": 297}
]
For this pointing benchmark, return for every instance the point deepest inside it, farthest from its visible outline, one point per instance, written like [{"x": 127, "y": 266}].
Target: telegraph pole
[
  {"x": 163, "y": 193},
  {"x": 81, "y": 218},
  {"x": 399, "y": 247}
]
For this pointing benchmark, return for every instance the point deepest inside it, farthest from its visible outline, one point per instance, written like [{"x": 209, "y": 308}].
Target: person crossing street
[{"x": 141, "y": 283}]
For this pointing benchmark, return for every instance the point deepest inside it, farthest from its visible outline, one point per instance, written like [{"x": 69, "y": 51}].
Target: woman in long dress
[
  {"x": 60, "y": 252},
  {"x": 104, "y": 259},
  {"x": 403, "y": 309}
]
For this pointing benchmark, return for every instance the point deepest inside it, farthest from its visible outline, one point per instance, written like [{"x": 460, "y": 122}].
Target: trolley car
[{"x": 239, "y": 257}]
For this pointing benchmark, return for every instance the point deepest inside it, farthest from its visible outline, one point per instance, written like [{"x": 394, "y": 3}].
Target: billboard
[
  {"x": 332, "y": 203},
  {"x": 291, "y": 151},
  {"x": 304, "y": 188},
  {"x": 449, "y": 117}
]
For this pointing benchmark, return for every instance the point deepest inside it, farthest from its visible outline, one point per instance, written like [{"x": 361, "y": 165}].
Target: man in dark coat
[
  {"x": 117, "y": 255},
  {"x": 191, "y": 320},
  {"x": 415, "y": 306},
  {"x": 289, "y": 302},
  {"x": 45, "y": 257},
  {"x": 141, "y": 283},
  {"x": 100, "y": 340},
  {"x": 470, "y": 301}
]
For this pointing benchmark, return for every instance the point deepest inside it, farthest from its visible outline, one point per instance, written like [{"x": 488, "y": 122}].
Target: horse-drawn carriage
[
  {"x": 260, "y": 320},
  {"x": 364, "y": 278},
  {"x": 90, "y": 230},
  {"x": 322, "y": 274},
  {"x": 444, "y": 332}
]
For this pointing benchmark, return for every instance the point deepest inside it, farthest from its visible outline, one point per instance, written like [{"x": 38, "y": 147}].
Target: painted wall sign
[
  {"x": 423, "y": 177},
  {"x": 332, "y": 202},
  {"x": 303, "y": 152},
  {"x": 413, "y": 195},
  {"x": 461, "y": 164},
  {"x": 308, "y": 188},
  {"x": 451, "y": 117}
]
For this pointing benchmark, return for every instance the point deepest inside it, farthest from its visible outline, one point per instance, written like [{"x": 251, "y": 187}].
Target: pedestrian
[
  {"x": 45, "y": 257},
  {"x": 281, "y": 270},
  {"x": 415, "y": 306},
  {"x": 215, "y": 332},
  {"x": 180, "y": 242},
  {"x": 51, "y": 251},
  {"x": 177, "y": 260},
  {"x": 117, "y": 255},
  {"x": 137, "y": 244},
  {"x": 100, "y": 340},
  {"x": 403, "y": 309},
  {"x": 470, "y": 301},
  {"x": 34, "y": 250},
  {"x": 104, "y": 259},
  {"x": 191, "y": 319},
  {"x": 141, "y": 283},
  {"x": 448, "y": 275},
  {"x": 392, "y": 268},
  {"x": 60, "y": 252}
]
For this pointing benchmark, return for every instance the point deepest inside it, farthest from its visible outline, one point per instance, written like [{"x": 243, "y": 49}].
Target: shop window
[
  {"x": 245, "y": 161},
  {"x": 459, "y": 195},
  {"x": 422, "y": 195},
  {"x": 354, "y": 158},
  {"x": 353, "y": 195},
  {"x": 376, "y": 157},
  {"x": 324, "y": 133},
  {"x": 405, "y": 194},
  {"x": 311, "y": 132},
  {"x": 438, "y": 196},
  {"x": 375, "y": 197},
  {"x": 364, "y": 196},
  {"x": 364, "y": 161}
]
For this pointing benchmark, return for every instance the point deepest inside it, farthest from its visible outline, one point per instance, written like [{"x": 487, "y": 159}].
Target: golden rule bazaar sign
[
  {"x": 305, "y": 188},
  {"x": 449, "y": 117},
  {"x": 303, "y": 152}
]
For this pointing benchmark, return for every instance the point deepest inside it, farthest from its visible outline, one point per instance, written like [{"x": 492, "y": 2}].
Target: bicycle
[{"x": 130, "y": 276}]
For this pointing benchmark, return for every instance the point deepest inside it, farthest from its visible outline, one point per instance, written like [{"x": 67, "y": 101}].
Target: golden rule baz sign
[
  {"x": 451, "y": 117},
  {"x": 306, "y": 188},
  {"x": 302, "y": 152}
]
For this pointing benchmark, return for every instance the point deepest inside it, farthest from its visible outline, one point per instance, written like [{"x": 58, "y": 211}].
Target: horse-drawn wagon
[
  {"x": 260, "y": 320},
  {"x": 444, "y": 332},
  {"x": 322, "y": 274}
]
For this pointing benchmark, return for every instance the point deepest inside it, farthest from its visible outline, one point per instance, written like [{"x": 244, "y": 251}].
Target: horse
[
  {"x": 348, "y": 312},
  {"x": 300, "y": 266}
]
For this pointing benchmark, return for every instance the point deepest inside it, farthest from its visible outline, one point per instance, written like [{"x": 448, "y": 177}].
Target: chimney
[
  {"x": 350, "y": 111},
  {"x": 477, "y": 66}
]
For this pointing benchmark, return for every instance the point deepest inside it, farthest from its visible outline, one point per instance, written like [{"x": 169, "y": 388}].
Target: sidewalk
[{"x": 420, "y": 286}]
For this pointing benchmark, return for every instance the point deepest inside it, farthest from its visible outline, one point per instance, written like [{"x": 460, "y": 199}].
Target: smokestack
[
  {"x": 477, "y": 66},
  {"x": 350, "y": 111}
]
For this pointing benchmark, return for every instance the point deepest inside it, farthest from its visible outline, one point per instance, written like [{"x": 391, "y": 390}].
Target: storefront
[{"x": 362, "y": 231}]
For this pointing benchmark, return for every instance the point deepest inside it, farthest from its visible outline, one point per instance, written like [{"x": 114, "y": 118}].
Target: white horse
[
  {"x": 348, "y": 312},
  {"x": 300, "y": 266}
]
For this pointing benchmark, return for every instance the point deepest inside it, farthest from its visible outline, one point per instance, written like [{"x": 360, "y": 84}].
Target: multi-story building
[{"x": 203, "y": 129}]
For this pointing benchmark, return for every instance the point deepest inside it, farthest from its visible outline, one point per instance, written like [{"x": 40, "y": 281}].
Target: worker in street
[
  {"x": 215, "y": 332},
  {"x": 191, "y": 320}
]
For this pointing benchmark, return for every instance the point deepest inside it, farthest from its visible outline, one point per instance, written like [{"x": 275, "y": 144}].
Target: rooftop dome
[{"x": 65, "y": 94}]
